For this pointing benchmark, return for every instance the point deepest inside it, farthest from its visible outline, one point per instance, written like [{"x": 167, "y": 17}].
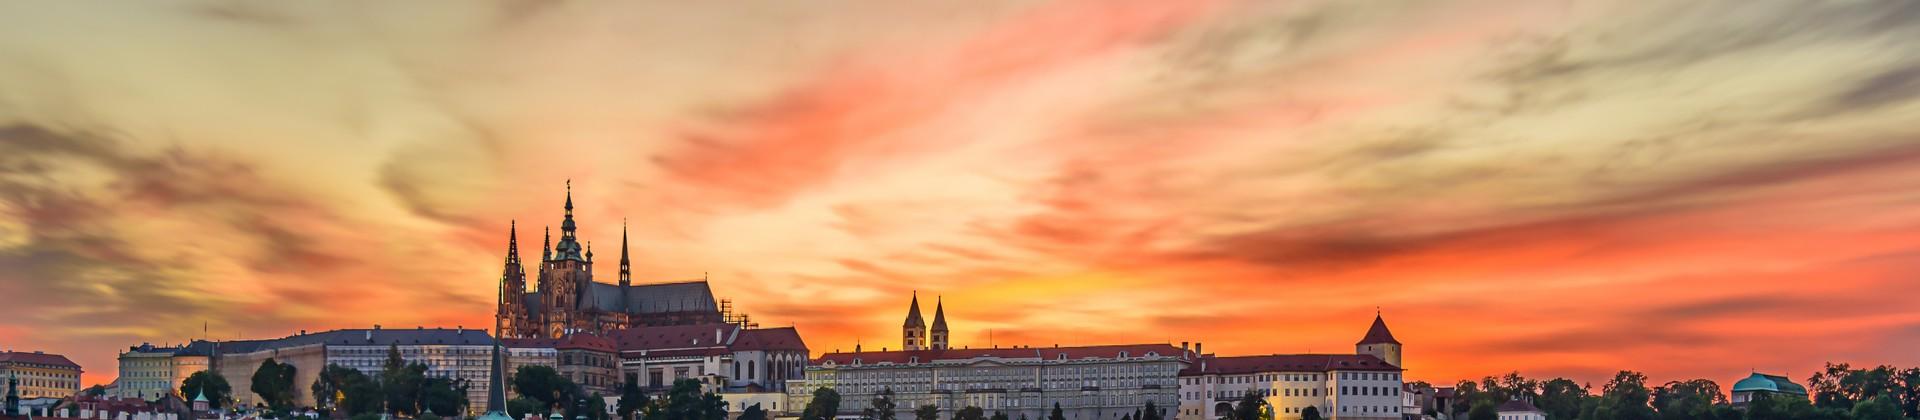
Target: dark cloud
[{"x": 1893, "y": 86}]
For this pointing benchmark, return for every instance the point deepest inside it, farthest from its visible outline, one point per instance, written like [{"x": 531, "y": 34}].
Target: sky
[{"x": 1563, "y": 188}]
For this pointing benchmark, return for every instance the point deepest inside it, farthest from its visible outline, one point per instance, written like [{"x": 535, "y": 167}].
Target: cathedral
[{"x": 567, "y": 300}]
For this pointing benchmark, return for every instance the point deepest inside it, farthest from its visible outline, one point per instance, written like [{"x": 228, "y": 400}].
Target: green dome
[{"x": 1768, "y": 383}]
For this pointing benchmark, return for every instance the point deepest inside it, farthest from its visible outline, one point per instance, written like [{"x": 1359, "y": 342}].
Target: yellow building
[
  {"x": 41, "y": 374},
  {"x": 148, "y": 372}
]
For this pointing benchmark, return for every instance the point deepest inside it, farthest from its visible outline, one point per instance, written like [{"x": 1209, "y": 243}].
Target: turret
[
  {"x": 1379, "y": 342},
  {"x": 626, "y": 265},
  {"x": 938, "y": 336},
  {"x": 913, "y": 335},
  {"x": 513, "y": 282}
]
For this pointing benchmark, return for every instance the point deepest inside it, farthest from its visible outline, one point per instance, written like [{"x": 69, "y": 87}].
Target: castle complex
[{"x": 567, "y": 300}]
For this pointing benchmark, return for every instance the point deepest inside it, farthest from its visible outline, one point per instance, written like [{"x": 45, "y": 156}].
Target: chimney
[
  {"x": 1183, "y": 347},
  {"x": 1196, "y": 349},
  {"x": 716, "y": 336}
]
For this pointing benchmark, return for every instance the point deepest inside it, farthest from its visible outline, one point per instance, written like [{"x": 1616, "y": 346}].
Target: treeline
[
  {"x": 1840, "y": 392},
  {"x": 826, "y": 403}
]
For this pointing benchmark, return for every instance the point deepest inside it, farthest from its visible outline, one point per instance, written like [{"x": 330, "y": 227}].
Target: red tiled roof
[
  {"x": 571, "y": 341},
  {"x": 1443, "y": 392},
  {"x": 763, "y": 339},
  {"x": 1378, "y": 334},
  {"x": 37, "y": 358},
  {"x": 671, "y": 337},
  {"x": 1045, "y": 353},
  {"x": 1516, "y": 406},
  {"x": 1234, "y": 365}
]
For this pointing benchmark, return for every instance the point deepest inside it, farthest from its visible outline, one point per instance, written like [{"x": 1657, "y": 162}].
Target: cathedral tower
[
  {"x": 566, "y": 275},
  {"x": 1379, "y": 342},
  {"x": 913, "y": 335},
  {"x": 513, "y": 284},
  {"x": 938, "y": 336}
]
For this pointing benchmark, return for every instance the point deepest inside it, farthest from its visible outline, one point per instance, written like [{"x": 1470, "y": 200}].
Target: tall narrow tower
[
  {"x": 1379, "y": 342},
  {"x": 567, "y": 274},
  {"x": 513, "y": 284},
  {"x": 938, "y": 336},
  {"x": 913, "y": 335}
]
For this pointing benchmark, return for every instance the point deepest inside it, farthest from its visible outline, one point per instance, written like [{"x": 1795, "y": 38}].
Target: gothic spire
[
  {"x": 546, "y": 246},
  {"x": 626, "y": 265},
  {"x": 913, "y": 313},
  {"x": 939, "y": 316},
  {"x": 569, "y": 246},
  {"x": 513, "y": 242}
]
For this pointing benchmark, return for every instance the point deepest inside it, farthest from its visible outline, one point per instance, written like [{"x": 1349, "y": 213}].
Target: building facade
[
  {"x": 567, "y": 299},
  {"x": 148, "y": 372},
  {"x": 585, "y": 359},
  {"x": 1090, "y": 382},
  {"x": 726, "y": 357},
  {"x": 1363, "y": 385},
  {"x": 459, "y": 354},
  {"x": 1519, "y": 410},
  {"x": 40, "y": 375}
]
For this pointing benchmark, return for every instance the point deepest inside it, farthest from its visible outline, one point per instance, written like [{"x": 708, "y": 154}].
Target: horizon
[{"x": 1563, "y": 189}]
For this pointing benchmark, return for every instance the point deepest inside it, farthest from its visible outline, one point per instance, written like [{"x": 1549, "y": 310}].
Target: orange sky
[{"x": 1690, "y": 189}]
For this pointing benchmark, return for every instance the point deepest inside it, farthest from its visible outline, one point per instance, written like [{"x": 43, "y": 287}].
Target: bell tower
[
  {"x": 1379, "y": 342},
  {"x": 913, "y": 335},
  {"x": 937, "y": 338}
]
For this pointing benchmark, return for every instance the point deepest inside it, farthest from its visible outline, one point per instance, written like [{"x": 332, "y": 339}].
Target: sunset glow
[{"x": 1688, "y": 189}]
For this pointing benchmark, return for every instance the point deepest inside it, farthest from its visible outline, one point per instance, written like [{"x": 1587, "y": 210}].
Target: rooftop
[
  {"x": 1036, "y": 353},
  {"x": 37, "y": 358},
  {"x": 1235, "y": 365}
]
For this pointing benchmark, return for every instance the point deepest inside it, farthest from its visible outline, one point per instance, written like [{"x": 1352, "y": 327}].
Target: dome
[{"x": 1755, "y": 382}]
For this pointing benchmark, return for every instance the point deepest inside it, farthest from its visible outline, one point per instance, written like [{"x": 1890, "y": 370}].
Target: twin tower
[{"x": 915, "y": 336}]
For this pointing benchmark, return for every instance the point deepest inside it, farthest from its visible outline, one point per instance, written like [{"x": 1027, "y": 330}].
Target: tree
[
  {"x": 631, "y": 400},
  {"x": 360, "y": 394},
  {"x": 1251, "y": 407},
  {"x": 1561, "y": 398},
  {"x": 521, "y": 407},
  {"x": 753, "y": 412},
  {"x": 1878, "y": 408},
  {"x": 543, "y": 384},
  {"x": 215, "y": 387},
  {"x": 1152, "y": 412},
  {"x": 597, "y": 407},
  {"x": 1909, "y": 381},
  {"x": 1056, "y": 414},
  {"x": 882, "y": 406},
  {"x": 403, "y": 386},
  {"x": 825, "y": 403},
  {"x": 970, "y": 413},
  {"x": 444, "y": 397},
  {"x": 1482, "y": 411},
  {"x": 685, "y": 401},
  {"x": 273, "y": 382},
  {"x": 1310, "y": 413},
  {"x": 1625, "y": 398},
  {"x": 331, "y": 382},
  {"x": 927, "y": 412},
  {"x": 1692, "y": 399},
  {"x": 999, "y": 416}
]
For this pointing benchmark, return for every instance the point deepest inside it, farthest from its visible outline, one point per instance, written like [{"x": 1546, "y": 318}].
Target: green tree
[
  {"x": 521, "y": 407},
  {"x": 1251, "y": 407},
  {"x": 1310, "y": 413},
  {"x": 1878, "y": 408},
  {"x": 685, "y": 401},
  {"x": 273, "y": 382},
  {"x": 543, "y": 384},
  {"x": 1056, "y": 414},
  {"x": 970, "y": 413},
  {"x": 753, "y": 412},
  {"x": 1482, "y": 411},
  {"x": 998, "y": 416},
  {"x": 1152, "y": 412},
  {"x": 442, "y": 396},
  {"x": 330, "y": 384},
  {"x": 927, "y": 412},
  {"x": 1626, "y": 397},
  {"x": 882, "y": 406},
  {"x": 1685, "y": 400},
  {"x": 1561, "y": 398},
  {"x": 597, "y": 407},
  {"x": 631, "y": 400},
  {"x": 217, "y": 392},
  {"x": 1909, "y": 381},
  {"x": 825, "y": 403},
  {"x": 361, "y": 394}
]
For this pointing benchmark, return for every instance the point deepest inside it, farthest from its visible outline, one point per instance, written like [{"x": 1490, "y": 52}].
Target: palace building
[{"x": 567, "y": 300}]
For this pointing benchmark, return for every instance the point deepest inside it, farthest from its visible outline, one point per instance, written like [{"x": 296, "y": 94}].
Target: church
[{"x": 567, "y": 300}]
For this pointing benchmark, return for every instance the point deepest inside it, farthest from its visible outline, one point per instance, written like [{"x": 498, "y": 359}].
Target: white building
[
  {"x": 1088, "y": 383},
  {"x": 723, "y": 356},
  {"x": 456, "y": 353},
  {"x": 1365, "y": 385},
  {"x": 148, "y": 372},
  {"x": 1519, "y": 410}
]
